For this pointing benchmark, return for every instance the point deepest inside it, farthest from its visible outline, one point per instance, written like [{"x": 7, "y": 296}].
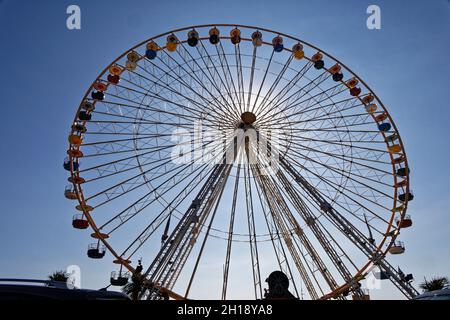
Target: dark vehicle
[
  {"x": 26, "y": 289},
  {"x": 443, "y": 294}
]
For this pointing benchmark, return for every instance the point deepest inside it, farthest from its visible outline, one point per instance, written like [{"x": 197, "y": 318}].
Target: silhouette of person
[
  {"x": 278, "y": 287},
  {"x": 139, "y": 267}
]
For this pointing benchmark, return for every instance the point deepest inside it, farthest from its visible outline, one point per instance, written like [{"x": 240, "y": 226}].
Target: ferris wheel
[{"x": 215, "y": 154}]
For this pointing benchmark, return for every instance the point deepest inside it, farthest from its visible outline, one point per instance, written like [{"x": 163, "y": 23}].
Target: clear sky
[{"x": 46, "y": 69}]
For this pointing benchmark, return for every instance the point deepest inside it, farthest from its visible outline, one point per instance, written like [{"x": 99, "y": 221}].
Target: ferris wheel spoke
[
  {"x": 318, "y": 264},
  {"x": 290, "y": 220},
  {"x": 298, "y": 94},
  {"x": 354, "y": 235},
  {"x": 237, "y": 49},
  {"x": 144, "y": 202},
  {"x": 341, "y": 106},
  {"x": 136, "y": 136},
  {"x": 206, "y": 122},
  {"x": 110, "y": 168},
  {"x": 279, "y": 77},
  {"x": 311, "y": 221},
  {"x": 252, "y": 75},
  {"x": 338, "y": 129},
  {"x": 256, "y": 272},
  {"x": 210, "y": 105},
  {"x": 132, "y": 184},
  {"x": 313, "y": 100},
  {"x": 289, "y": 86},
  {"x": 136, "y": 178},
  {"x": 114, "y": 153},
  {"x": 110, "y": 148},
  {"x": 253, "y": 110},
  {"x": 166, "y": 160},
  {"x": 112, "y": 171},
  {"x": 338, "y": 188},
  {"x": 121, "y": 106},
  {"x": 146, "y": 122},
  {"x": 179, "y": 243},
  {"x": 316, "y": 99},
  {"x": 275, "y": 238},
  {"x": 208, "y": 229},
  {"x": 212, "y": 81},
  {"x": 214, "y": 85},
  {"x": 125, "y": 160},
  {"x": 144, "y": 95},
  {"x": 337, "y": 117},
  {"x": 356, "y": 120},
  {"x": 226, "y": 268},
  {"x": 343, "y": 143},
  {"x": 226, "y": 110},
  {"x": 152, "y": 196},
  {"x": 319, "y": 155},
  {"x": 312, "y": 207},
  {"x": 328, "y": 143},
  {"x": 289, "y": 241},
  {"x": 147, "y": 151},
  {"x": 167, "y": 86},
  {"x": 342, "y": 152},
  {"x": 359, "y": 184},
  {"x": 186, "y": 117},
  {"x": 169, "y": 210},
  {"x": 215, "y": 199},
  {"x": 204, "y": 53},
  {"x": 227, "y": 71},
  {"x": 192, "y": 75},
  {"x": 367, "y": 152},
  {"x": 318, "y": 196},
  {"x": 226, "y": 83},
  {"x": 351, "y": 161}
]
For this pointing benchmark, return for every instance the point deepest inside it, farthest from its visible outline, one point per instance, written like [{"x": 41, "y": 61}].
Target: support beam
[{"x": 353, "y": 234}]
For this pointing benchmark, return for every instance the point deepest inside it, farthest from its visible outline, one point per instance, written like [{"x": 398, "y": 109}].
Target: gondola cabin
[
  {"x": 79, "y": 222},
  {"x": 397, "y": 248},
  {"x": 96, "y": 251},
  {"x": 69, "y": 193},
  {"x": 405, "y": 223},
  {"x": 119, "y": 279}
]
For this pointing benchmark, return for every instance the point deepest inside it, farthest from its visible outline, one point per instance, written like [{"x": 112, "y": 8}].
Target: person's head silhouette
[{"x": 278, "y": 283}]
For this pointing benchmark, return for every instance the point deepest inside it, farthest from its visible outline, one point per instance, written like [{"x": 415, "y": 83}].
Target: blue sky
[{"x": 46, "y": 68}]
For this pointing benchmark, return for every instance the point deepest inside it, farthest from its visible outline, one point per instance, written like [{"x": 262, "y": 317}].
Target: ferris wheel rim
[{"x": 79, "y": 191}]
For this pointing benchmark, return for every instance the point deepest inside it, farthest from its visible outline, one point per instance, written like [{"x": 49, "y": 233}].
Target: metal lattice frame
[{"x": 330, "y": 210}]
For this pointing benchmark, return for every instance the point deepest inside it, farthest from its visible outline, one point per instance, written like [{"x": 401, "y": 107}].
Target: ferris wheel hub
[{"x": 248, "y": 117}]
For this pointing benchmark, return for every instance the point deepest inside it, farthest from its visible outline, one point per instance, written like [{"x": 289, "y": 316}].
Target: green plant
[
  {"x": 436, "y": 283},
  {"x": 59, "y": 275}
]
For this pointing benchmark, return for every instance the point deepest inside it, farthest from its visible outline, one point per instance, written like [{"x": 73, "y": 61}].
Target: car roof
[
  {"x": 442, "y": 292},
  {"x": 54, "y": 291}
]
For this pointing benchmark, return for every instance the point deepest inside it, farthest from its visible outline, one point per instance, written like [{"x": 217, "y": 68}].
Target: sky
[{"x": 46, "y": 69}]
